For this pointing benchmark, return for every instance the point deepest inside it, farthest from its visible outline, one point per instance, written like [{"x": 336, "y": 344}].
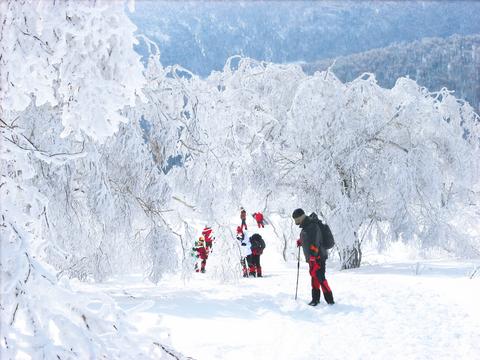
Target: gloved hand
[
  {"x": 243, "y": 244},
  {"x": 299, "y": 243}
]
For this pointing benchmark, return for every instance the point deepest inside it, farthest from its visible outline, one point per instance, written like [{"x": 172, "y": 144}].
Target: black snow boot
[
  {"x": 329, "y": 297},
  {"x": 315, "y": 297}
]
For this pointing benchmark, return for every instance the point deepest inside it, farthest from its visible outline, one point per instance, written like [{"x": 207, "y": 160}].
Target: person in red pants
[
  {"x": 257, "y": 246},
  {"x": 315, "y": 254},
  {"x": 258, "y": 216},
  {"x": 201, "y": 253}
]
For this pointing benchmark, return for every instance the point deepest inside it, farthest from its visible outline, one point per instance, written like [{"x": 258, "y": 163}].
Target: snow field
[
  {"x": 388, "y": 310},
  {"x": 381, "y": 311}
]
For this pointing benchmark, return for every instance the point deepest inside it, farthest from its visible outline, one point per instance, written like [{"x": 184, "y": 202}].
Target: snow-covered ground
[{"x": 394, "y": 310}]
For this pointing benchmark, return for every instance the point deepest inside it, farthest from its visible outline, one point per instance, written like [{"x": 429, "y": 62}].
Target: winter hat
[{"x": 298, "y": 215}]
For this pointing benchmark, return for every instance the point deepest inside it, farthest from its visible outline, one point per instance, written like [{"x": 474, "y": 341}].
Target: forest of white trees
[
  {"x": 452, "y": 62},
  {"x": 85, "y": 191}
]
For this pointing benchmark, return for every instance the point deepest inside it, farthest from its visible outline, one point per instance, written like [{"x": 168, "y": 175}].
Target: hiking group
[
  {"x": 315, "y": 240},
  {"x": 251, "y": 247}
]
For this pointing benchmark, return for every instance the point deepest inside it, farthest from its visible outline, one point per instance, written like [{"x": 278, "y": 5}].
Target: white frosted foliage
[
  {"x": 75, "y": 55},
  {"x": 377, "y": 164},
  {"x": 76, "y": 60}
]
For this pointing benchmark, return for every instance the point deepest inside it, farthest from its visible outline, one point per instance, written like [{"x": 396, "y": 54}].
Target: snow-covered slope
[
  {"x": 394, "y": 310},
  {"x": 381, "y": 311}
]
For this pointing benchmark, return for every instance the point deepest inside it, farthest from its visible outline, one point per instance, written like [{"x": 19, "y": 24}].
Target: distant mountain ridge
[
  {"x": 453, "y": 62},
  {"x": 201, "y": 35}
]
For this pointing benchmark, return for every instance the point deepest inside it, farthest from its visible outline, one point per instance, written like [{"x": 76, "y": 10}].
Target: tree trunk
[{"x": 351, "y": 256}]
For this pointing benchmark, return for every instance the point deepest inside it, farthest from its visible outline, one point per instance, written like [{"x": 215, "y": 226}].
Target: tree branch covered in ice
[
  {"x": 389, "y": 164},
  {"x": 87, "y": 194},
  {"x": 57, "y": 51},
  {"x": 75, "y": 60}
]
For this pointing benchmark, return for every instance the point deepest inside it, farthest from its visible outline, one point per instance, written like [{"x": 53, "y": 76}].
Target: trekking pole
[{"x": 298, "y": 272}]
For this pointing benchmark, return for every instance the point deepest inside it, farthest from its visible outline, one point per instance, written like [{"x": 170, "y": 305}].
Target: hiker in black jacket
[
  {"x": 257, "y": 246},
  {"x": 315, "y": 254}
]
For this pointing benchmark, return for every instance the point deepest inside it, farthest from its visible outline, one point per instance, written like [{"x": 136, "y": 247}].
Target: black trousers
[
  {"x": 245, "y": 262},
  {"x": 244, "y": 223},
  {"x": 255, "y": 260}
]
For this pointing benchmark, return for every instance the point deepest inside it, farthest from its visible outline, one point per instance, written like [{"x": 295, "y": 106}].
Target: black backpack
[
  {"x": 328, "y": 240},
  {"x": 257, "y": 242}
]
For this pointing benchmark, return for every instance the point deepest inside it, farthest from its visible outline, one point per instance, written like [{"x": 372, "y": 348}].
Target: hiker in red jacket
[
  {"x": 239, "y": 230},
  {"x": 201, "y": 253},
  {"x": 259, "y": 219},
  {"x": 207, "y": 234},
  {"x": 243, "y": 217}
]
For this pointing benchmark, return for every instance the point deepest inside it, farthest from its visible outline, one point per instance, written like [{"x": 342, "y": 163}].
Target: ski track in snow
[{"x": 381, "y": 312}]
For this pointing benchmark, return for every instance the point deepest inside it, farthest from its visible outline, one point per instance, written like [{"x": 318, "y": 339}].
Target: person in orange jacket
[{"x": 258, "y": 216}]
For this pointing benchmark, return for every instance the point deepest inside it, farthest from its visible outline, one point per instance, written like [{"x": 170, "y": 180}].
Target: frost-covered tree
[
  {"x": 435, "y": 63},
  {"x": 109, "y": 197},
  {"x": 372, "y": 158},
  {"x": 77, "y": 60},
  {"x": 62, "y": 59},
  {"x": 361, "y": 155}
]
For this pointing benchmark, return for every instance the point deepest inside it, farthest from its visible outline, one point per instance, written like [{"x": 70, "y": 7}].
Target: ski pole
[{"x": 298, "y": 272}]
